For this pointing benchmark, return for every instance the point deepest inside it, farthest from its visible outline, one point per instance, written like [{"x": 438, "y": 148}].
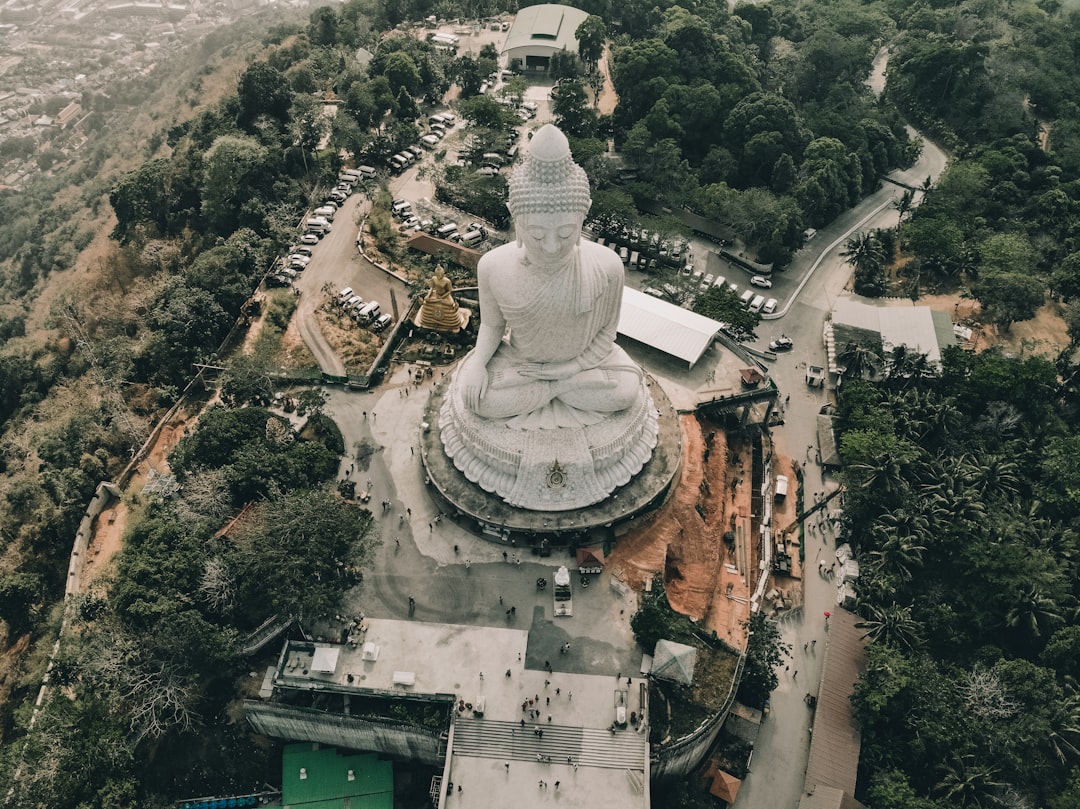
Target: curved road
[{"x": 819, "y": 275}]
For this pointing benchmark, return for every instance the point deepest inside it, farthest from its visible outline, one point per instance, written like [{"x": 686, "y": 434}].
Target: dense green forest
[
  {"x": 758, "y": 119},
  {"x": 962, "y": 505}
]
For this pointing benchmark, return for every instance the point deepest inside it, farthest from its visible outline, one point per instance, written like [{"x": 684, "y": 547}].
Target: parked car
[
  {"x": 782, "y": 343},
  {"x": 761, "y": 281},
  {"x": 770, "y": 306}
]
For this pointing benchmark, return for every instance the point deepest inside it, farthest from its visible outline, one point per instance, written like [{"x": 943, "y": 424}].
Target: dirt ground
[
  {"x": 704, "y": 578},
  {"x": 1046, "y": 334},
  {"x": 111, "y": 524},
  {"x": 608, "y": 98}
]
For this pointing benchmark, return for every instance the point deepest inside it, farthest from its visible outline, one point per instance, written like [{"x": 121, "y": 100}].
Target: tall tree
[
  {"x": 263, "y": 90},
  {"x": 591, "y": 36}
]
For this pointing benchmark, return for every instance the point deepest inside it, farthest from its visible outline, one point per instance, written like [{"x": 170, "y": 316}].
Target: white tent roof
[
  {"x": 325, "y": 658},
  {"x": 664, "y": 326},
  {"x": 674, "y": 661}
]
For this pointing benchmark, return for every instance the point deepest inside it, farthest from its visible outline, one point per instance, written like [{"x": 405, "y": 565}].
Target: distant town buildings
[{"x": 59, "y": 63}]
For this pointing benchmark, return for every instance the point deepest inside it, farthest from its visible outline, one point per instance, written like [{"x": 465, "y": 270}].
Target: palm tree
[
  {"x": 864, "y": 252},
  {"x": 991, "y": 475},
  {"x": 905, "y": 203},
  {"x": 886, "y": 472},
  {"x": 899, "y": 537},
  {"x": 856, "y": 360},
  {"x": 1033, "y": 612},
  {"x": 891, "y": 625},
  {"x": 1064, "y": 736},
  {"x": 968, "y": 784}
]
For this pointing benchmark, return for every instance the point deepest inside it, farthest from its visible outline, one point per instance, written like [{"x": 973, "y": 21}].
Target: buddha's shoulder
[
  {"x": 505, "y": 255},
  {"x": 603, "y": 258}
]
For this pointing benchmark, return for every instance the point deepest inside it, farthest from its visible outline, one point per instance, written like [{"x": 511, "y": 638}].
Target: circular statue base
[{"x": 493, "y": 516}]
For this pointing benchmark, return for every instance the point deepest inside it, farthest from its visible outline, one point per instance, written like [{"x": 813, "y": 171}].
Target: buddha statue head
[{"x": 549, "y": 198}]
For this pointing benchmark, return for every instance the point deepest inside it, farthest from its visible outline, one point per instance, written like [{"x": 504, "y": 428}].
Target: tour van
[
  {"x": 429, "y": 141},
  {"x": 757, "y": 303},
  {"x": 447, "y": 231},
  {"x": 449, "y": 118},
  {"x": 624, "y": 255},
  {"x": 747, "y": 297},
  {"x": 471, "y": 238},
  {"x": 317, "y": 224},
  {"x": 344, "y": 295},
  {"x": 401, "y": 208},
  {"x": 353, "y": 302},
  {"x": 381, "y": 322},
  {"x": 326, "y": 211},
  {"x": 366, "y": 172},
  {"x": 437, "y": 118},
  {"x": 634, "y": 259},
  {"x": 369, "y": 312},
  {"x": 397, "y": 162}
]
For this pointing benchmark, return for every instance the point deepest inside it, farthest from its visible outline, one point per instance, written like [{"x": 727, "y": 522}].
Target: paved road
[{"x": 780, "y": 755}]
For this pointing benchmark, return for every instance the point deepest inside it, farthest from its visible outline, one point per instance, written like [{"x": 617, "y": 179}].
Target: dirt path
[
  {"x": 111, "y": 524},
  {"x": 608, "y": 97}
]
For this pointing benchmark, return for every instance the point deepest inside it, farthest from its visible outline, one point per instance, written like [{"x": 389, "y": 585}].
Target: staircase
[{"x": 588, "y": 747}]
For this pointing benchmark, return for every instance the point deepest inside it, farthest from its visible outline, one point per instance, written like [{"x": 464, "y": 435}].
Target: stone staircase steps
[{"x": 589, "y": 747}]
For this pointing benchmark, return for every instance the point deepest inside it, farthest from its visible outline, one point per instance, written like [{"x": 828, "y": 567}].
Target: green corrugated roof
[
  {"x": 327, "y": 785},
  {"x": 549, "y": 24}
]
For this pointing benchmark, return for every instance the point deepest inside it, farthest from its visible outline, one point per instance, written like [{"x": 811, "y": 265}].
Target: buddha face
[{"x": 549, "y": 238}]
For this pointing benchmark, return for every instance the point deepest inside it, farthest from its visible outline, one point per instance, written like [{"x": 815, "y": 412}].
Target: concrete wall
[
  {"x": 103, "y": 495},
  {"x": 393, "y": 739},
  {"x": 680, "y": 757}
]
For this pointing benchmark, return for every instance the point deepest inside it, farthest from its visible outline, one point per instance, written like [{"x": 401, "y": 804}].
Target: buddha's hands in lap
[
  {"x": 552, "y": 371},
  {"x": 474, "y": 383}
]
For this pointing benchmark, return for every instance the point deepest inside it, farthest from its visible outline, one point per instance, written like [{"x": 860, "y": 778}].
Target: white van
[
  {"x": 429, "y": 141},
  {"x": 317, "y": 224},
  {"x": 401, "y": 208},
  {"x": 447, "y": 231},
  {"x": 634, "y": 259},
  {"x": 353, "y": 302},
  {"x": 381, "y": 322},
  {"x": 344, "y": 295},
  {"x": 326, "y": 211},
  {"x": 369, "y": 312},
  {"x": 449, "y": 118},
  {"x": 624, "y": 255},
  {"x": 471, "y": 238},
  {"x": 437, "y": 118},
  {"x": 747, "y": 297},
  {"x": 757, "y": 303}
]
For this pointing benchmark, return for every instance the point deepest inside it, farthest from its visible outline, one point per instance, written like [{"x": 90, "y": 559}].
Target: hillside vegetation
[{"x": 130, "y": 267}]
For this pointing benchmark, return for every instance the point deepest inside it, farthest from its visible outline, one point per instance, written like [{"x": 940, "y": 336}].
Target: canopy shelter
[
  {"x": 590, "y": 560},
  {"x": 725, "y": 786},
  {"x": 674, "y": 661},
  {"x": 666, "y": 327}
]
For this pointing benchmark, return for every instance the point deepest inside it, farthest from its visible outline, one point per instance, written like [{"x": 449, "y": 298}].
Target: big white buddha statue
[{"x": 546, "y": 410}]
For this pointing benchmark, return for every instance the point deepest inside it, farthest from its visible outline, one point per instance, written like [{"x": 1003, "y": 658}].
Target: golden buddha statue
[{"x": 439, "y": 311}]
